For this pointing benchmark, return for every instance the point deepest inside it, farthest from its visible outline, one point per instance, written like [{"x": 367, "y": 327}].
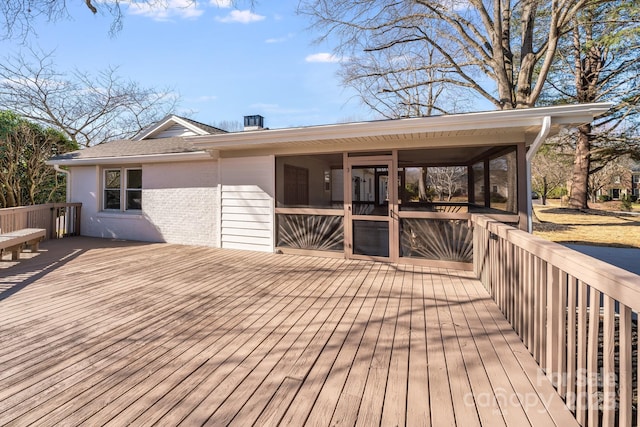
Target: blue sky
[{"x": 224, "y": 61}]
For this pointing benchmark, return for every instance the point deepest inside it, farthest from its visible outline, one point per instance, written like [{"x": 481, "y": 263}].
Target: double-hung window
[{"x": 122, "y": 189}]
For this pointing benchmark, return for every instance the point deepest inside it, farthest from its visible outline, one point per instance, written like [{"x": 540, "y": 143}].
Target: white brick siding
[{"x": 179, "y": 204}]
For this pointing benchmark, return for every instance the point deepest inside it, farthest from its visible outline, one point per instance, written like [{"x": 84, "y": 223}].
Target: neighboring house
[
  {"x": 339, "y": 190},
  {"x": 623, "y": 182},
  {"x": 635, "y": 181}
]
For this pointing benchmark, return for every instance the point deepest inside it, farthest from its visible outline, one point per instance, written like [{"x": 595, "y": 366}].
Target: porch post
[
  {"x": 487, "y": 180},
  {"x": 471, "y": 190},
  {"x": 346, "y": 189},
  {"x": 523, "y": 185}
]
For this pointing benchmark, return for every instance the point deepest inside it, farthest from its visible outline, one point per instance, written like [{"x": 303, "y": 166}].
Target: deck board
[{"x": 99, "y": 332}]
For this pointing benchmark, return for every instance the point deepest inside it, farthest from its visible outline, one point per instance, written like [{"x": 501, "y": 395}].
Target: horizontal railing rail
[
  {"x": 59, "y": 219},
  {"x": 578, "y": 317}
]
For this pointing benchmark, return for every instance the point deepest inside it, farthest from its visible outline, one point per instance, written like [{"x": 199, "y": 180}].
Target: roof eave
[
  {"x": 560, "y": 115},
  {"x": 139, "y": 159}
]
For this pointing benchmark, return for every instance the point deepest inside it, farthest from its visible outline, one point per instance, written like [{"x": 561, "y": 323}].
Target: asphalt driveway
[{"x": 626, "y": 258}]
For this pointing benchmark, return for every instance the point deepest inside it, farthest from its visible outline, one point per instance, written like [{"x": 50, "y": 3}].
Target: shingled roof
[
  {"x": 127, "y": 147},
  {"x": 205, "y": 127},
  {"x": 155, "y": 140}
]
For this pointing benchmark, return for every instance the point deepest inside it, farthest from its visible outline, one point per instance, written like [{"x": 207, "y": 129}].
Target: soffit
[{"x": 463, "y": 130}]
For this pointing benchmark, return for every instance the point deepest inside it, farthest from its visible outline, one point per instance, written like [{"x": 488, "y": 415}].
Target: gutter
[
  {"x": 67, "y": 181},
  {"x": 522, "y": 118},
  {"x": 533, "y": 148},
  {"x": 137, "y": 159}
]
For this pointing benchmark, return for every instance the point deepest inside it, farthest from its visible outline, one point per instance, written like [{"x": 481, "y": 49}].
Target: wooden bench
[{"x": 16, "y": 240}]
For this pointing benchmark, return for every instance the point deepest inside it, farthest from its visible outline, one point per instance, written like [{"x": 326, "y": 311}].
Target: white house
[{"x": 356, "y": 190}]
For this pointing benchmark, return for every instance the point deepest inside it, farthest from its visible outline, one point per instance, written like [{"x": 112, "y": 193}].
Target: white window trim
[{"x": 123, "y": 191}]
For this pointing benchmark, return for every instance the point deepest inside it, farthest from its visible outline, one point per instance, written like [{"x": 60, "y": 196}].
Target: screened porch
[{"x": 410, "y": 205}]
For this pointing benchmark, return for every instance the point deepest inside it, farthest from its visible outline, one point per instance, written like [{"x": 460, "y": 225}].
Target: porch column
[
  {"x": 471, "y": 190},
  {"x": 523, "y": 186}
]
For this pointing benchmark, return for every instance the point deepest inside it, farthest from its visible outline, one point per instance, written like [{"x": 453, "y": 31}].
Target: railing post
[
  {"x": 78, "y": 213},
  {"x": 52, "y": 224},
  {"x": 553, "y": 322},
  {"x": 553, "y": 298}
]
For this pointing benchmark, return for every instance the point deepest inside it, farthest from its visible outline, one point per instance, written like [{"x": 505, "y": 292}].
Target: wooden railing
[
  {"x": 576, "y": 315},
  {"x": 59, "y": 219}
]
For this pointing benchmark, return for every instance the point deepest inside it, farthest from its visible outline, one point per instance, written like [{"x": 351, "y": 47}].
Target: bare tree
[
  {"x": 20, "y": 16},
  {"x": 89, "y": 109},
  {"x": 446, "y": 180},
  {"x": 500, "y": 50},
  {"x": 550, "y": 170},
  {"x": 229, "y": 125},
  {"x": 403, "y": 81}
]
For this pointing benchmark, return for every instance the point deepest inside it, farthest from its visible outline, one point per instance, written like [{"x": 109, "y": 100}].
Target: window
[
  {"x": 615, "y": 193},
  {"x": 112, "y": 189},
  {"x": 134, "y": 189},
  {"x": 636, "y": 179},
  {"x": 122, "y": 189}
]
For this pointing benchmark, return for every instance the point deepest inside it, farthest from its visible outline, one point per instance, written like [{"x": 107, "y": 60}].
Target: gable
[
  {"x": 177, "y": 130},
  {"x": 174, "y": 126}
]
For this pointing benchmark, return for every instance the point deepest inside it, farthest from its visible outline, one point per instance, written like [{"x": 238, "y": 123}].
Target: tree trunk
[
  {"x": 422, "y": 187},
  {"x": 580, "y": 177}
]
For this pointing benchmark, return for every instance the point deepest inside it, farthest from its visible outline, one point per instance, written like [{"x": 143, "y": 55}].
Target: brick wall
[
  {"x": 181, "y": 201},
  {"x": 179, "y": 204}
]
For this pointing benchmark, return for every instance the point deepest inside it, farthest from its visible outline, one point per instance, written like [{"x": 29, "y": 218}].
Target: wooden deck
[{"x": 96, "y": 332}]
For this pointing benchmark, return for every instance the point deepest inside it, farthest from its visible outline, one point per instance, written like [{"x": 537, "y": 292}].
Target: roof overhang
[
  {"x": 131, "y": 160},
  {"x": 470, "y": 129}
]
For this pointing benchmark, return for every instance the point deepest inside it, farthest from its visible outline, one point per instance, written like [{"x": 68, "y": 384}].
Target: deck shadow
[{"x": 52, "y": 255}]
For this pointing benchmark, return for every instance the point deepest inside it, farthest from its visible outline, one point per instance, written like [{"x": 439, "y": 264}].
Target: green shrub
[
  {"x": 625, "y": 203},
  {"x": 557, "y": 193},
  {"x": 604, "y": 198},
  {"x": 497, "y": 198}
]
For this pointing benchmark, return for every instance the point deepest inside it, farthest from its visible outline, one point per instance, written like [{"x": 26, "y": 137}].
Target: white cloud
[
  {"x": 182, "y": 9},
  {"x": 203, "y": 98},
  {"x": 280, "y": 39},
  {"x": 223, "y": 4},
  {"x": 322, "y": 57},
  {"x": 241, "y": 16}
]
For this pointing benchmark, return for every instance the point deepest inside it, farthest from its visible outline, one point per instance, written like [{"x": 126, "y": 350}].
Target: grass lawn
[{"x": 600, "y": 225}]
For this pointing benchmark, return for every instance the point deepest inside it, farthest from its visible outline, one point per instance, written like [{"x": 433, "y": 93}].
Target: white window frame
[{"x": 124, "y": 189}]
